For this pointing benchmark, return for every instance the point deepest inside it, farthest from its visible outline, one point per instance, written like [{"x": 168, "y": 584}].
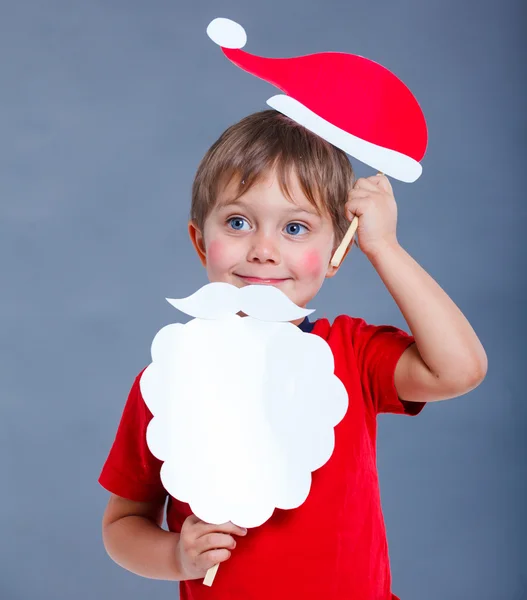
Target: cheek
[
  {"x": 311, "y": 263},
  {"x": 215, "y": 252},
  {"x": 220, "y": 256}
]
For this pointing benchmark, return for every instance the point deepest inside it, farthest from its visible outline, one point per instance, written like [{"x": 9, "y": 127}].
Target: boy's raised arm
[{"x": 448, "y": 359}]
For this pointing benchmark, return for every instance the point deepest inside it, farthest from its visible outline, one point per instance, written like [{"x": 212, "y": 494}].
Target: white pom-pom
[{"x": 227, "y": 33}]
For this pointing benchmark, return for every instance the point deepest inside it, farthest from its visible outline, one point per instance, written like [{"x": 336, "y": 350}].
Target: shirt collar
[{"x": 306, "y": 326}]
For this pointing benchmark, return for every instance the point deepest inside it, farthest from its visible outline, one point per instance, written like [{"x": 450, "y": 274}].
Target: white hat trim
[{"x": 390, "y": 162}]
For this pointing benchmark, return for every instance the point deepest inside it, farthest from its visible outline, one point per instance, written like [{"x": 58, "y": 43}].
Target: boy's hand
[
  {"x": 372, "y": 200},
  {"x": 202, "y": 545}
]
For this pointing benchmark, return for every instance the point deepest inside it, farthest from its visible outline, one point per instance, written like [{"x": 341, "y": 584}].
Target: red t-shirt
[{"x": 332, "y": 547}]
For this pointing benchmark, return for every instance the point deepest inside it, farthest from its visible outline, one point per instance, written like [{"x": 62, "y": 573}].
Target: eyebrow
[{"x": 292, "y": 210}]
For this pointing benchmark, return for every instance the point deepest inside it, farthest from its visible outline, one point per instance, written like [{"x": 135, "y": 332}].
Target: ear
[
  {"x": 198, "y": 241},
  {"x": 332, "y": 271}
]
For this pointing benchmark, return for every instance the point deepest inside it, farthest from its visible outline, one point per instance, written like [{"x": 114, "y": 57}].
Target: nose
[{"x": 263, "y": 248}]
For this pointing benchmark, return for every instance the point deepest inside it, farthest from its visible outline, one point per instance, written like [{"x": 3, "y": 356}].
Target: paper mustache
[{"x": 218, "y": 300}]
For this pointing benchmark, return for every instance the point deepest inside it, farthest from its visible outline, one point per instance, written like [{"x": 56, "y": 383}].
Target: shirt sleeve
[
  {"x": 378, "y": 349},
  {"x": 131, "y": 470}
]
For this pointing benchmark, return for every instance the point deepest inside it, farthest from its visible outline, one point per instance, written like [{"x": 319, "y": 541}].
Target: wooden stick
[
  {"x": 343, "y": 246},
  {"x": 211, "y": 573},
  {"x": 341, "y": 250}
]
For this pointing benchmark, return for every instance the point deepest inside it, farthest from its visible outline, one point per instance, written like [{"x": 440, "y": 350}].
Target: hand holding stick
[
  {"x": 346, "y": 240},
  {"x": 203, "y": 547}
]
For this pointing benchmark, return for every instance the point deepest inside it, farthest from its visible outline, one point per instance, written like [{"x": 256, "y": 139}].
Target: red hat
[{"x": 350, "y": 101}]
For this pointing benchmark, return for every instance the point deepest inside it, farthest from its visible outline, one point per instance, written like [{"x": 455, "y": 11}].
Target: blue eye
[
  {"x": 236, "y": 223},
  {"x": 293, "y": 228}
]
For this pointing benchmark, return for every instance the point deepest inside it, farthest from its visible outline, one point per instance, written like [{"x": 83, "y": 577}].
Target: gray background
[{"x": 106, "y": 109}]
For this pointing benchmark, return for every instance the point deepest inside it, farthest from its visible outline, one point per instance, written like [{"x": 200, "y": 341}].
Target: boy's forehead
[{"x": 229, "y": 192}]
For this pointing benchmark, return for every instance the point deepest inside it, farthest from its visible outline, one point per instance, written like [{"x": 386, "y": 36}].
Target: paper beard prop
[
  {"x": 244, "y": 408},
  {"x": 353, "y": 103}
]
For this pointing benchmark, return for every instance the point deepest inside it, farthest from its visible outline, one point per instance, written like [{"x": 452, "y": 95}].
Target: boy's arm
[
  {"x": 134, "y": 539},
  {"x": 447, "y": 359}
]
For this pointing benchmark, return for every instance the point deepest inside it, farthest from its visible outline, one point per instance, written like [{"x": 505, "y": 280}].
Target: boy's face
[{"x": 263, "y": 238}]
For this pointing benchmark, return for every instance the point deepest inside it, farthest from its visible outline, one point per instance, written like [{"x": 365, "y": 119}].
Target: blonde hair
[{"x": 265, "y": 140}]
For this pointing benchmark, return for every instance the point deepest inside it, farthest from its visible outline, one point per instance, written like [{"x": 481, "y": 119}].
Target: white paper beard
[{"x": 244, "y": 408}]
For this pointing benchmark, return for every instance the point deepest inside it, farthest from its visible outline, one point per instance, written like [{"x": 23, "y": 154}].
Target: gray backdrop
[{"x": 106, "y": 109}]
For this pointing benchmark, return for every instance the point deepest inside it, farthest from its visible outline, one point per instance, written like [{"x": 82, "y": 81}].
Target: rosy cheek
[
  {"x": 215, "y": 252},
  {"x": 312, "y": 263}
]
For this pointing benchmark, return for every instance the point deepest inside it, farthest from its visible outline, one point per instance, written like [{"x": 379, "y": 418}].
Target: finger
[
  {"x": 377, "y": 180},
  {"x": 209, "y": 559},
  {"x": 193, "y": 527},
  {"x": 232, "y": 529},
  {"x": 351, "y": 213},
  {"x": 384, "y": 183},
  {"x": 366, "y": 184},
  {"x": 205, "y": 528},
  {"x": 359, "y": 193},
  {"x": 356, "y": 207},
  {"x": 190, "y": 526},
  {"x": 214, "y": 541},
  {"x": 192, "y": 520}
]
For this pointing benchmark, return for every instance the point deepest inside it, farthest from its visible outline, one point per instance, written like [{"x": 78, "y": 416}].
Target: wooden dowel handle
[
  {"x": 346, "y": 240},
  {"x": 211, "y": 573}
]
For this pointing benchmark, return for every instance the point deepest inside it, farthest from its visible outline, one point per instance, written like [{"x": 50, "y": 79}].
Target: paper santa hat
[{"x": 354, "y": 103}]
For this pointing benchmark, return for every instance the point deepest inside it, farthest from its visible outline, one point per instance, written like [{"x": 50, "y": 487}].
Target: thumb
[{"x": 383, "y": 182}]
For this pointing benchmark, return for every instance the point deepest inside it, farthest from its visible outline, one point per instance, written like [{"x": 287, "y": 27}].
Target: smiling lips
[{"x": 261, "y": 280}]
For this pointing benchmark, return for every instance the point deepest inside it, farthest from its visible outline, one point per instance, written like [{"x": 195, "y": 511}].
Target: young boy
[{"x": 270, "y": 204}]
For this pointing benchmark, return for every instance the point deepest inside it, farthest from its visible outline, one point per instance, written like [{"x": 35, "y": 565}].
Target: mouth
[{"x": 261, "y": 280}]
